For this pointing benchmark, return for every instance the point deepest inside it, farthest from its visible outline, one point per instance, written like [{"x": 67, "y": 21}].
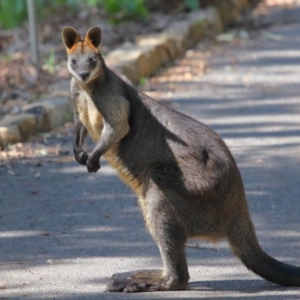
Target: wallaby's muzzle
[{"x": 84, "y": 75}]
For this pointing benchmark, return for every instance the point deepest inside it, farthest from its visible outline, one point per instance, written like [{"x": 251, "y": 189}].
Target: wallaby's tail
[{"x": 243, "y": 241}]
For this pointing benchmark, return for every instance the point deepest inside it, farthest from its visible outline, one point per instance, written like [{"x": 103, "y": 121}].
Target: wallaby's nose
[{"x": 84, "y": 75}]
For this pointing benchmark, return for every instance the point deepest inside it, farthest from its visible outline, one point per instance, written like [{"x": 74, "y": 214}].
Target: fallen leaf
[
  {"x": 243, "y": 34},
  {"x": 271, "y": 36},
  {"x": 46, "y": 135},
  {"x": 226, "y": 37},
  {"x": 11, "y": 172},
  {"x": 43, "y": 152},
  {"x": 37, "y": 175},
  {"x": 61, "y": 151}
]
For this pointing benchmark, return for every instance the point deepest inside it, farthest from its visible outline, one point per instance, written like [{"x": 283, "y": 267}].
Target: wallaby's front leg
[
  {"x": 80, "y": 133},
  {"x": 105, "y": 142},
  {"x": 115, "y": 127}
]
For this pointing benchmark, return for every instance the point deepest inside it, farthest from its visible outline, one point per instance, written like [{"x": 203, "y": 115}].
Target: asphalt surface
[{"x": 64, "y": 231}]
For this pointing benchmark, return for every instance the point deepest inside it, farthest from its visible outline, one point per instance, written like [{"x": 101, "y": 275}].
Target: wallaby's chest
[{"x": 89, "y": 115}]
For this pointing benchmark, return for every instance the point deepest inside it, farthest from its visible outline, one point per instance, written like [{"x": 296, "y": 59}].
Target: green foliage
[
  {"x": 12, "y": 13},
  {"x": 192, "y": 4},
  {"x": 125, "y": 8},
  {"x": 46, "y": 8},
  {"x": 6, "y": 58},
  {"x": 50, "y": 63},
  {"x": 92, "y": 2},
  {"x": 142, "y": 81}
]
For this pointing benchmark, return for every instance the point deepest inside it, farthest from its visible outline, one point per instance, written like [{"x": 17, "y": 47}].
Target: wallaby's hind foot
[{"x": 143, "y": 281}]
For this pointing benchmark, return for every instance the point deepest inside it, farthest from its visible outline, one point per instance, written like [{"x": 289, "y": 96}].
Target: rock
[
  {"x": 26, "y": 124},
  {"x": 9, "y": 134},
  {"x": 41, "y": 115},
  {"x": 50, "y": 112}
]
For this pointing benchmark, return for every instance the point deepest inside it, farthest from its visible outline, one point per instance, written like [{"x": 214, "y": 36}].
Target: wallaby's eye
[
  {"x": 92, "y": 61},
  {"x": 73, "y": 61}
]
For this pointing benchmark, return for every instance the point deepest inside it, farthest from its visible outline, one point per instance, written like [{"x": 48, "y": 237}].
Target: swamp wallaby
[{"x": 186, "y": 179}]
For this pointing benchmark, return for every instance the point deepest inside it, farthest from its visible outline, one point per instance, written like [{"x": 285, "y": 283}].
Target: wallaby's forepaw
[
  {"x": 142, "y": 281},
  {"x": 93, "y": 163},
  {"x": 81, "y": 157}
]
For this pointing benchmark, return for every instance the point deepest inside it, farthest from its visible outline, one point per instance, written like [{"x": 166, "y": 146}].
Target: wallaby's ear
[
  {"x": 70, "y": 37},
  {"x": 94, "y": 36}
]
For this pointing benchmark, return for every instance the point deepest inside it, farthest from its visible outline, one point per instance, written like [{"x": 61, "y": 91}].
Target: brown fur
[{"x": 186, "y": 179}]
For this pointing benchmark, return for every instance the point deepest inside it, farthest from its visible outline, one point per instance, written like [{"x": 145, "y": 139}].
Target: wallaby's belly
[{"x": 90, "y": 116}]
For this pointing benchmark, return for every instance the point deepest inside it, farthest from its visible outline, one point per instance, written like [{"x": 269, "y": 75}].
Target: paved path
[{"x": 64, "y": 231}]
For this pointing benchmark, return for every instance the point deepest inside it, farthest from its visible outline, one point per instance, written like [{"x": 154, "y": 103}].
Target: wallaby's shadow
[{"x": 250, "y": 286}]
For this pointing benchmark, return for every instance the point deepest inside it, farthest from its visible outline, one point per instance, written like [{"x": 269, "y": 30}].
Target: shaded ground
[{"x": 64, "y": 231}]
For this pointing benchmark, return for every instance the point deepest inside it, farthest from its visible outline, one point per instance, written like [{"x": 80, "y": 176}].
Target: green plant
[
  {"x": 12, "y": 13},
  {"x": 92, "y": 2},
  {"x": 45, "y": 8},
  {"x": 50, "y": 63},
  {"x": 142, "y": 81},
  {"x": 6, "y": 57},
  {"x": 192, "y": 4},
  {"x": 123, "y": 9}
]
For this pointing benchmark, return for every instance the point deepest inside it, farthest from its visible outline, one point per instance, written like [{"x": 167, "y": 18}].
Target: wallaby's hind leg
[{"x": 169, "y": 233}]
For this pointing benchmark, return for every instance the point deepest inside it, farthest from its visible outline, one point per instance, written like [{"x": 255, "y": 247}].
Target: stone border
[{"x": 140, "y": 60}]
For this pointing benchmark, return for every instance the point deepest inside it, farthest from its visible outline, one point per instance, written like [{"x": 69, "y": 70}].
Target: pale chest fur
[
  {"x": 93, "y": 121},
  {"x": 89, "y": 115}
]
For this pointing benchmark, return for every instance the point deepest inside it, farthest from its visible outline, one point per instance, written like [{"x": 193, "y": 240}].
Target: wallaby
[{"x": 187, "y": 182}]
